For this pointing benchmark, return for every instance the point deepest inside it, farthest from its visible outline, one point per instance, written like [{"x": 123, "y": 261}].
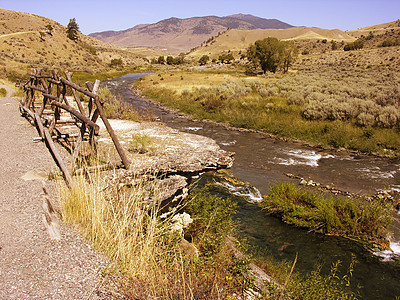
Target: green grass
[
  {"x": 288, "y": 282},
  {"x": 254, "y": 103},
  {"x": 141, "y": 143},
  {"x": 360, "y": 218}
]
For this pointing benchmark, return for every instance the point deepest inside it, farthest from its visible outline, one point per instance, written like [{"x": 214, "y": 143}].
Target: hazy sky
[{"x": 100, "y": 15}]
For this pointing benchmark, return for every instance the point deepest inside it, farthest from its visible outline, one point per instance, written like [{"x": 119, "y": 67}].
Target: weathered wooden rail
[{"x": 45, "y": 111}]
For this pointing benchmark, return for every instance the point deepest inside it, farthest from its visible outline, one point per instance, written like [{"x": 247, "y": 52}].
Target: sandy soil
[{"x": 33, "y": 266}]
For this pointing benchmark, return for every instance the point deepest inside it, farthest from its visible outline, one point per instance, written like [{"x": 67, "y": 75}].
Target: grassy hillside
[
  {"x": 238, "y": 40},
  {"x": 376, "y": 29},
  {"x": 181, "y": 35},
  {"x": 28, "y": 40}
]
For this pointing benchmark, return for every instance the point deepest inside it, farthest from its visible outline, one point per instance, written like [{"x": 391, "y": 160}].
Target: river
[{"x": 263, "y": 161}]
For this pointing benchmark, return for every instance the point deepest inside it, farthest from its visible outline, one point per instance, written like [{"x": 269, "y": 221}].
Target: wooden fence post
[{"x": 59, "y": 102}]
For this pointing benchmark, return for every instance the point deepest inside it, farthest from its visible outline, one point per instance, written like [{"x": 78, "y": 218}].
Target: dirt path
[{"x": 32, "y": 266}]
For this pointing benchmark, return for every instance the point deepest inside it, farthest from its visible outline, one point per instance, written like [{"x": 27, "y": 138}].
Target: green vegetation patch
[
  {"x": 361, "y": 218},
  {"x": 356, "y": 111},
  {"x": 116, "y": 108},
  {"x": 3, "y": 92},
  {"x": 141, "y": 143}
]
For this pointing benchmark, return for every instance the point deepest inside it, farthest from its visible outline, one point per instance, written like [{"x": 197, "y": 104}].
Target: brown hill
[
  {"x": 28, "y": 40},
  {"x": 376, "y": 29},
  {"x": 180, "y": 35},
  {"x": 239, "y": 40}
]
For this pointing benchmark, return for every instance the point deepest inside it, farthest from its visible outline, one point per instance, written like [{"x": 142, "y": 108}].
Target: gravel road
[{"x": 33, "y": 266}]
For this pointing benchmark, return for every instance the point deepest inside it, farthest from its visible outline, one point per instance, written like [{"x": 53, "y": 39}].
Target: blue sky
[{"x": 100, "y": 15}]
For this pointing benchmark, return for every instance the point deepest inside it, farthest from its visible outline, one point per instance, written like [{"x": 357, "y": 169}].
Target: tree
[
  {"x": 170, "y": 60},
  {"x": 288, "y": 54},
  {"x": 49, "y": 28},
  {"x": 226, "y": 58},
  {"x": 203, "y": 60},
  {"x": 72, "y": 29},
  {"x": 116, "y": 62},
  {"x": 161, "y": 60},
  {"x": 358, "y": 44},
  {"x": 270, "y": 54}
]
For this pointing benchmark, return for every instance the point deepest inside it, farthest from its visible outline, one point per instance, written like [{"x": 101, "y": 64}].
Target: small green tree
[
  {"x": 116, "y": 62},
  {"x": 270, "y": 54},
  {"x": 161, "y": 60},
  {"x": 170, "y": 60},
  {"x": 50, "y": 29},
  {"x": 288, "y": 54},
  {"x": 203, "y": 60},
  {"x": 179, "y": 60},
  {"x": 226, "y": 58},
  {"x": 358, "y": 44},
  {"x": 72, "y": 29}
]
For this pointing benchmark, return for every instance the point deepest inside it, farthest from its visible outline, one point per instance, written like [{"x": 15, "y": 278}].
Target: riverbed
[{"x": 264, "y": 161}]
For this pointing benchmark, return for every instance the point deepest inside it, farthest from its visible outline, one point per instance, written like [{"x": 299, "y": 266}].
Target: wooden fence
[{"x": 46, "y": 110}]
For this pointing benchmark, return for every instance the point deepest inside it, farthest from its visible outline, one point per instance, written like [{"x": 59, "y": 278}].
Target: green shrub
[
  {"x": 3, "y": 92},
  {"x": 141, "y": 143},
  {"x": 359, "y": 44},
  {"x": 212, "y": 220},
  {"x": 361, "y": 218},
  {"x": 296, "y": 98},
  {"x": 116, "y": 62}
]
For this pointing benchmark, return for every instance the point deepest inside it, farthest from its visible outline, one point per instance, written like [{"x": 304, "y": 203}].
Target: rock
[
  {"x": 174, "y": 157},
  {"x": 303, "y": 181},
  {"x": 177, "y": 152},
  {"x": 181, "y": 221},
  {"x": 189, "y": 249}
]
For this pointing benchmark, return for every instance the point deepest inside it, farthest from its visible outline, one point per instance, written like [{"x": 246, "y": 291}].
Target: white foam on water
[
  {"x": 390, "y": 255},
  {"x": 193, "y": 128},
  {"x": 228, "y": 143},
  {"x": 301, "y": 157},
  {"x": 393, "y": 188},
  {"x": 377, "y": 173},
  {"x": 252, "y": 193}
]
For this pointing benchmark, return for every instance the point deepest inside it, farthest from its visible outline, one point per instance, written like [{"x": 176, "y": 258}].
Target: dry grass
[
  {"x": 237, "y": 41},
  {"x": 154, "y": 260},
  {"x": 187, "y": 81},
  {"x": 128, "y": 229},
  {"x": 337, "y": 99},
  {"x": 26, "y": 41}
]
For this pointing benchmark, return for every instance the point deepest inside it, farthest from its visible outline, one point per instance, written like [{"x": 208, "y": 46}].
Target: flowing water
[{"x": 263, "y": 161}]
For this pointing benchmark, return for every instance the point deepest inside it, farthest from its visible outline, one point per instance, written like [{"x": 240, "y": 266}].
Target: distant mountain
[
  {"x": 180, "y": 35},
  {"x": 261, "y": 23}
]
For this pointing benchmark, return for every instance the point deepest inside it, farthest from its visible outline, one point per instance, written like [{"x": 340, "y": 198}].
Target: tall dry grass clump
[
  {"x": 127, "y": 227},
  {"x": 156, "y": 260}
]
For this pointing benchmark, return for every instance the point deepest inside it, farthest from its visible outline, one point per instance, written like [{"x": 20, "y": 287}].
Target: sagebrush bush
[
  {"x": 141, "y": 143},
  {"x": 3, "y": 92}
]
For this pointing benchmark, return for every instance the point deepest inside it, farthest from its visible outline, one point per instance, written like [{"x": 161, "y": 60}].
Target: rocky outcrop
[{"x": 162, "y": 155}]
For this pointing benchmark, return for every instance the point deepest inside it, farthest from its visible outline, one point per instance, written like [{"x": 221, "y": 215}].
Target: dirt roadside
[{"x": 32, "y": 266}]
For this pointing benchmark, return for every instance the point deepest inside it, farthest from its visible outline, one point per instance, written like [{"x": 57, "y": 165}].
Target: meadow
[{"x": 320, "y": 101}]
